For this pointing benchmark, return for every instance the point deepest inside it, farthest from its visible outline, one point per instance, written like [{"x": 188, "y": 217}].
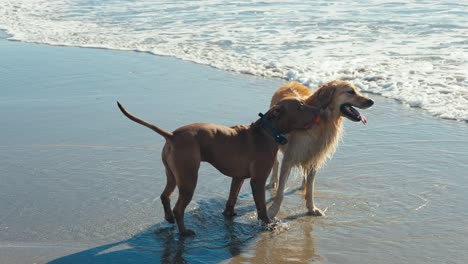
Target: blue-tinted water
[{"x": 80, "y": 183}]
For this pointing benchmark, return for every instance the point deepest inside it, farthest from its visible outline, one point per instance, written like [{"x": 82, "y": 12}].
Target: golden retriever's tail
[{"x": 160, "y": 131}]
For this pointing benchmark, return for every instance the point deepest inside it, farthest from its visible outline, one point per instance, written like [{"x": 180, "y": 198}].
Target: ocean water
[
  {"x": 415, "y": 52},
  {"x": 80, "y": 183}
]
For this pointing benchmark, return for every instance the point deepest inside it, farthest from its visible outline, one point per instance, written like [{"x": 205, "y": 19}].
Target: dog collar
[{"x": 279, "y": 137}]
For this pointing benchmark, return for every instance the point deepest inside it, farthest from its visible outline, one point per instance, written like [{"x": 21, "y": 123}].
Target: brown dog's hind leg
[
  {"x": 186, "y": 175},
  {"x": 185, "y": 196},
  {"x": 166, "y": 196},
  {"x": 236, "y": 185}
]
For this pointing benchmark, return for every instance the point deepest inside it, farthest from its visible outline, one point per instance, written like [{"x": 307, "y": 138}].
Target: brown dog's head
[
  {"x": 292, "y": 113},
  {"x": 341, "y": 98}
]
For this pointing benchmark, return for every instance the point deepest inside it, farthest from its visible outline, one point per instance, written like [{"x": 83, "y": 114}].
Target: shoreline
[
  {"x": 5, "y": 35},
  {"x": 390, "y": 183}
]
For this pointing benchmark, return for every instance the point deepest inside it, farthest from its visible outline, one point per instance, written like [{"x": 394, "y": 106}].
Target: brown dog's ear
[{"x": 275, "y": 112}]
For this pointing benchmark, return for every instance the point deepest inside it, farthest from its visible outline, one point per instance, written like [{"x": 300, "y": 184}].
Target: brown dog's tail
[{"x": 160, "y": 131}]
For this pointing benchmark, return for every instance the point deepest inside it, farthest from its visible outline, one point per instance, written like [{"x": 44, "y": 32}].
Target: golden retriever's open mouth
[{"x": 352, "y": 114}]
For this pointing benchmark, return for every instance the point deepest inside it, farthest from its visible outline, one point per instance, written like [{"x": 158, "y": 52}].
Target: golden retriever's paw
[{"x": 315, "y": 212}]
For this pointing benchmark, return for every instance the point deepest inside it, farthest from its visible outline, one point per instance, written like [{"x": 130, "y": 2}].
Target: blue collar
[{"x": 279, "y": 137}]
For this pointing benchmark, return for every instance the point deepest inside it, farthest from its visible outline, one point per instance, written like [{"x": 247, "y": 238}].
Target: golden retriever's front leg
[
  {"x": 274, "y": 176},
  {"x": 283, "y": 178},
  {"x": 309, "y": 195}
]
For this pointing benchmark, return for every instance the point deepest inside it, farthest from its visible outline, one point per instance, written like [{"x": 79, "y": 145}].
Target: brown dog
[
  {"x": 309, "y": 150},
  {"x": 239, "y": 152}
]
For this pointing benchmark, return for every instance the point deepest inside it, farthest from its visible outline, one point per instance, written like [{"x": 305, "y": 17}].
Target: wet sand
[{"x": 80, "y": 183}]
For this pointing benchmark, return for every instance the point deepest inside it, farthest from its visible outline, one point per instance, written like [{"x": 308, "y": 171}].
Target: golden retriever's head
[{"x": 341, "y": 98}]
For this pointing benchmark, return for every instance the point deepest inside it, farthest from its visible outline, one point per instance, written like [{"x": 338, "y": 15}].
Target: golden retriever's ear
[{"x": 325, "y": 95}]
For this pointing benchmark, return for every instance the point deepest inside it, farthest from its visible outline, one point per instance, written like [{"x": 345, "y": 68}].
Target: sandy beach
[{"x": 79, "y": 183}]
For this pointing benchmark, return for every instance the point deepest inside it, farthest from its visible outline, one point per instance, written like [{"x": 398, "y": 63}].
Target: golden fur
[{"x": 310, "y": 149}]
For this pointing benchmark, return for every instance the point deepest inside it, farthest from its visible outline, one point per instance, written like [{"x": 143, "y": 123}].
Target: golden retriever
[{"x": 310, "y": 149}]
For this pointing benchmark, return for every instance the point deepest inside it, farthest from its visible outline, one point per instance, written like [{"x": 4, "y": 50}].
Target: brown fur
[
  {"x": 310, "y": 149},
  {"x": 239, "y": 152}
]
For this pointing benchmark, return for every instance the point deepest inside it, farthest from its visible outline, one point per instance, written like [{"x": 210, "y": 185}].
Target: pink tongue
[{"x": 363, "y": 119}]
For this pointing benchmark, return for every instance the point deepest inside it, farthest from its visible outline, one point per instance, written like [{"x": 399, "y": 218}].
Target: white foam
[
  {"x": 412, "y": 52},
  {"x": 278, "y": 227}
]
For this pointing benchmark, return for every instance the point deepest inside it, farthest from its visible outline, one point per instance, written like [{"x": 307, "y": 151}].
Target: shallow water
[
  {"x": 79, "y": 183},
  {"x": 411, "y": 51}
]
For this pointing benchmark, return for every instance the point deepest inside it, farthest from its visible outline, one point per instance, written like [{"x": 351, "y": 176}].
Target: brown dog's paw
[
  {"x": 169, "y": 218},
  {"x": 229, "y": 212},
  {"x": 271, "y": 226},
  {"x": 187, "y": 233}
]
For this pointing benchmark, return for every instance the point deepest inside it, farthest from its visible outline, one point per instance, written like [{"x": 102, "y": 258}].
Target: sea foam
[{"x": 412, "y": 52}]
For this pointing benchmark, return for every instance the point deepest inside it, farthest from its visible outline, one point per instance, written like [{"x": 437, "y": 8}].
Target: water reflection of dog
[{"x": 283, "y": 248}]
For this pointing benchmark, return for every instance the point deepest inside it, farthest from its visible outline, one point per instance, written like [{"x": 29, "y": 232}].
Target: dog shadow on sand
[{"x": 217, "y": 239}]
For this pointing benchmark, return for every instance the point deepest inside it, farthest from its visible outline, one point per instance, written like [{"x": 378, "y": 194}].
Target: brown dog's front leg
[
  {"x": 236, "y": 185},
  {"x": 258, "y": 191}
]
